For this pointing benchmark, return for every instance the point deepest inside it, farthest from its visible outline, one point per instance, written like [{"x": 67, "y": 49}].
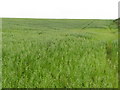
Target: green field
[{"x": 59, "y": 53}]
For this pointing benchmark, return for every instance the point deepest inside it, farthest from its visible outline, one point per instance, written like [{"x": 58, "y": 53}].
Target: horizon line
[{"x": 59, "y": 18}]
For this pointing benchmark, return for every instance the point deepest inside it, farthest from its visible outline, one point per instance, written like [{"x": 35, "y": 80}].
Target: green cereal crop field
[{"x": 59, "y": 53}]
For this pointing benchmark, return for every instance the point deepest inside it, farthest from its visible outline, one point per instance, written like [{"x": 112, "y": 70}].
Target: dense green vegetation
[
  {"x": 52, "y": 53},
  {"x": 0, "y": 53}
]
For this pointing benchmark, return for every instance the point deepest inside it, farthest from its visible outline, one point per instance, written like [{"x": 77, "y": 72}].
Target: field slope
[{"x": 59, "y": 53}]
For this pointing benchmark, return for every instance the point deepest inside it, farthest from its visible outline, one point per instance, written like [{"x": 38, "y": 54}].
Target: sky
[{"x": 59, "y": 9}]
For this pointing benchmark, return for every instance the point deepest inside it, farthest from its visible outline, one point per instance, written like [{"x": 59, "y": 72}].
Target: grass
[{"x": 48, "y": 53}]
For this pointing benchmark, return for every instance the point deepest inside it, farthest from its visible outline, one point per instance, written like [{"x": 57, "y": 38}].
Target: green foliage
[
  {"x": 0, "y": 53},
  {"x": 46, "y": 53}
]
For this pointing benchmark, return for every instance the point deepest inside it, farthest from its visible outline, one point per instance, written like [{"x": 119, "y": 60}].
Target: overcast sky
[{"x": 70, "y": 9}]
